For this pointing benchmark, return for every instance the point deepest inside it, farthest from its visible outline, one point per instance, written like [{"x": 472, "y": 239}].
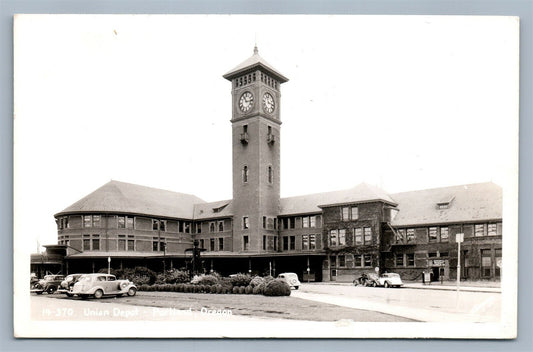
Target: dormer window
[{"x": 445, "y": 203}]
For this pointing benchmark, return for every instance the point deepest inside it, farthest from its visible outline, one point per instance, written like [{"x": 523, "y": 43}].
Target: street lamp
[{"x": 108, "y": 265}]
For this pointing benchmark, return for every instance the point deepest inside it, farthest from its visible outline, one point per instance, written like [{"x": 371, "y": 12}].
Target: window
[
  {"x": 264, "y": 222},
  {"x": 155, "y": 244},
  {"x": 129, "y": 222},
  {"x": 87, "y": 221},
  {"x": 270, "y": 223},
  {"x": 368, "y": 235},
  {"x": 285, "y": 243},
  {"x": 342, "y": 237},
  {"x": 432, "y": 255},
  {"x": 492, "y": 230},
  {"x": 221, "y": 226},
  {"x": 131, "y": 243},
  {"x": 211, "y": 227},
  {"x": 443, "y": 254},
  {"x": 410, "y": 259},
  {"x": 245, "y": 224},
  {"x": 199, "y": 227},
  {"x": 498, "y": 259},
  {"x": 432, "y": 234},
  {"x": 86, "y": 242},
  {"x": 270, "y": 174},
  {"x": 292, "y": 243},
  {"x": 155, "y": 225},
  {"x": 158, "y": 244},
  {"x": 312, "y": 242},
  {"x": 358, "y": 234},
  {"x": 355, "y": 213},
  {"x": 275, "y": 223},
  {"x": 212, "y": 244},
  {"x": 292, "y": 221},
  {"x": 368, "y": 260},
  {"x": 305, "y": 221},
  {"x": 245, "y": 243},
  {"x": 96, "y": 221},
  {"x": 163, "y": 225},
  {"x": 400, "y": 236},
  {"x": 333, "y": 238},
  {"x": 180, "y": 226},
  {"x": 312, "y": 221},
  {"x": 357, "y": 260},
  {"x": 486, "y": 262},
  {"x": 345, "y": 213},
  {"x": 305, "y": 242},
  {"x": 202, "y": 243},
  {"x": 410, "y": 235},
  {"x": 245, "y": 174},
  {"x": 96, "y": 242},
  {"x": 444, "y": 236},
  {"x": 121, "y": 222},
  {"x": 121, "y": 242},
  {"x": 264, "y": 243},
  {"x": 342, "y": 261},
  {"x": 399, "y": 259},
  {"x": 187, "y": 226},
  {"x": 479, "y": 230},
  {"x": 275, "y": 243}
]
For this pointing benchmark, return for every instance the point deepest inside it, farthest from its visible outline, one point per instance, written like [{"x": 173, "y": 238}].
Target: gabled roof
[
  {"x": 121, "y": 197},
  {"x": 220, "y": 209},
  {"x": 466, "y": 203},
  {"x": 254, "y": 61},
  {"x": 310, "y": 203}
]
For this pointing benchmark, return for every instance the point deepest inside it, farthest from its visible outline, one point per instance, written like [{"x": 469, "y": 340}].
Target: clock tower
[{"x": 256, "y": 154}]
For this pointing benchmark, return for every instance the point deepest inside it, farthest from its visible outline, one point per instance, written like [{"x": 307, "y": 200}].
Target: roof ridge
[{"x": 450, "y": 187}]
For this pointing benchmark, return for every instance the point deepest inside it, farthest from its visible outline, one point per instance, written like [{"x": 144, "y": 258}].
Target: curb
[{"x": 462, "y": 289}]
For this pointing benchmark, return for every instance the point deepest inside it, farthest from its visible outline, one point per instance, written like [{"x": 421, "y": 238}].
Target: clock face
[
  {"x": 246, "y": 101},
  {"x": 268, "y": 103}
]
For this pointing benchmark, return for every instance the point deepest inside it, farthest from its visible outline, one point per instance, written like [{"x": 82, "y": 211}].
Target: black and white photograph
[{"x": 266, "y": 176}]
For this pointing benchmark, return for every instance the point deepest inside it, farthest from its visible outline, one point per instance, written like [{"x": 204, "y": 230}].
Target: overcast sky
[{"x": 404, "y": 103}]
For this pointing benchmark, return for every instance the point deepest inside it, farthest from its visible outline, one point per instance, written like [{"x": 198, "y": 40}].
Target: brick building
[{"x": 326, "y": 236}]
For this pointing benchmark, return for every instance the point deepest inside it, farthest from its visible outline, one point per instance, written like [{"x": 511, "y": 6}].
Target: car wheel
[
  {"x": 387, "y": 285},
  {"x": 39, "y": 292},
  {"x": 51, "y": 290},
  {"x": 69, "y": 294},
  {"x": 355, "y": 282},
  {"x": 132, "y": 291},
  {"x": 98, "y": 294}
]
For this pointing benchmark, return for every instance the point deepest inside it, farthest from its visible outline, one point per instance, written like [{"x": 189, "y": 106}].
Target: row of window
[
  {"x": 270, "y": 243},
  {"x": 349, "y": 213},
  {"x": 289, "y": 223},
  {"x": 246, "y": 172},
  {"x": 352, "y": 261},
  {"x": 215, "y": 244},
  {"x": 360, "y": 236},
  {"x": 441, "y": 234},
  {"x": 309, "y": 242}
]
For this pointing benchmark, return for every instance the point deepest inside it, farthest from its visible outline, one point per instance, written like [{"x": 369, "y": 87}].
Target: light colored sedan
[
  {"x": 390, "y": 280},
  {"x": 99, "y": 285},
  {"x": 291, "y": 279}
]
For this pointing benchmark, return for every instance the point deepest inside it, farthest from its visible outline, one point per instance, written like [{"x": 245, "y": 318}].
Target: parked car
[
  {"x": 33, "y": 280},
  {"x": 67, "y": 284},
  {"x": 49, "y": 284},
  {"x": 366, "y": 279},
  {"x": 291, "y": 279},
  {"x": 390, "y": 280},
  {"x": 99, "y": 285}
]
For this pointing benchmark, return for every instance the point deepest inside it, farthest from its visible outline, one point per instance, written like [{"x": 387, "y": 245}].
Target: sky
[{"x": 401, "y": 102}]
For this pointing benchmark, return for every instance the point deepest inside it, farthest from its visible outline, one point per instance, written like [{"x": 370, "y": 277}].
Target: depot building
[{"x": 321, "y": 237}]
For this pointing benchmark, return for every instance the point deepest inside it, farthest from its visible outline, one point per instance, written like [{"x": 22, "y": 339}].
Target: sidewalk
[{"x": 465, "y": 286}]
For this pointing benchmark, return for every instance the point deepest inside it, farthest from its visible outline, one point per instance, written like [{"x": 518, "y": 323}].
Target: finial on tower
[{"x": 256, "y": 51}]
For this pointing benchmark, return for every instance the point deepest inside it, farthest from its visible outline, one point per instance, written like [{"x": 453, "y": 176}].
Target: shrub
[
  {"x": 213, "y": 289},
  {"x": 241, "y": 289},
  {"x": 139, "y": 275},
  {"x": 248, "y": 290},
  {"x": 277, "y": 287},
  {"x": 226, "y": 283},
  {"x": 176, "y": 276},
  {"x": 258, "y": 290},
  {"x": 240, "y": 279},
  {"x": 235, "y": 289},
  {"x": 218, "y": 288},
  {"x": 256, "y": 281},
  {"x": 205, "y": 280}
]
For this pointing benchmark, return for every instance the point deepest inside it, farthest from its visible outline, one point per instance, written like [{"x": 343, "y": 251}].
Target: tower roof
[{"x": 253, "y": 62}]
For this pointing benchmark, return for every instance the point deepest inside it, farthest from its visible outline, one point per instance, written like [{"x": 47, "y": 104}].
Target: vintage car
[
  {"x": 390, "y": 280},
  {"x": 99, "y": 285},
  {"x": 49, "y": 284},
  {"x": 291, "y": 279},
  {"x": 68, "y": 283}
]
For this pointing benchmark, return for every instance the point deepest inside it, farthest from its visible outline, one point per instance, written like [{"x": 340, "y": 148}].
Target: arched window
[
  {"x": 270, "y": 174},
  {"x": 245, "y": 174}
]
